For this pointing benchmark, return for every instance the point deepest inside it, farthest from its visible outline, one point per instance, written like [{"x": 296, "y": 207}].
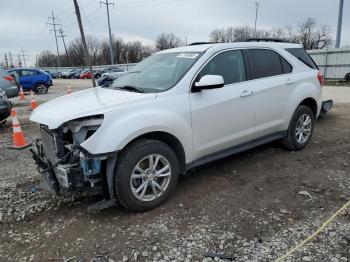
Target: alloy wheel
[
  {"x": 303, "y": 128},
  {"x": 150, "y": 177}
]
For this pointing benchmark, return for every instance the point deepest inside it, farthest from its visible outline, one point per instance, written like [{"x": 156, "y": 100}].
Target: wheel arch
[
  {"x": 169, "y": 139},
  {"x": 311, "y": 103}
]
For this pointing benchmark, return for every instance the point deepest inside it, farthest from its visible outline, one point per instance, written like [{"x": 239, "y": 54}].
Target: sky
[{"x": 23, "y": 23}]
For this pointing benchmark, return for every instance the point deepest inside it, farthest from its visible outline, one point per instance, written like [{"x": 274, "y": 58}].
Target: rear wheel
[
  {"x": 145, "y": 175},
  {"x": 300, "y": 129},
  {"x": 41, "y": 88}
]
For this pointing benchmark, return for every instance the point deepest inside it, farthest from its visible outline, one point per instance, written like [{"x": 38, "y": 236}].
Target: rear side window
[
  {"x": 304, "y": 57},
  {"x": 287, "y": 68},
  {"x": 229, "y": 65},
  {"x": 264, "y": 63}
]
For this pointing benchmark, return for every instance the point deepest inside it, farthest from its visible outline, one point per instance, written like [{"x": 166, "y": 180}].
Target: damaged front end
[{"x": 64, "y": 163}]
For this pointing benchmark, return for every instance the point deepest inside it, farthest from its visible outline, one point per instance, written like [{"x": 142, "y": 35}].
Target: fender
[
  {"x": 304, "y": 90},
  {"x": 120, "y": 127}
]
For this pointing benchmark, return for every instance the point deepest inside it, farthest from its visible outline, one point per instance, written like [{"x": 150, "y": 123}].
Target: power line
[{"x": 109, "y": 30}]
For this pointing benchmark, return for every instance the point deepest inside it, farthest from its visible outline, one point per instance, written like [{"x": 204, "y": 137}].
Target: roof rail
[
  {"x": 256, "y": 39},
  {"x": 202, "y": 43}
]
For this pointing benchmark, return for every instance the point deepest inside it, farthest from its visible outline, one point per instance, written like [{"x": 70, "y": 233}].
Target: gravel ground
[{"x": 252, "y": 206}]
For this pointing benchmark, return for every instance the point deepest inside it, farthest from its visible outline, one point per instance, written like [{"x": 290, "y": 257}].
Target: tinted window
[
  {"x": 287, "y": 68},
  {"x": 304, "y": 57},
  {"x": 264, "y": 63},
  {"x": 229, "y": 65}
]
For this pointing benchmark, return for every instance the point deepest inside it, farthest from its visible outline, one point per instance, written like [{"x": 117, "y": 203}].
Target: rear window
[
  {"x": 304, "y": 57},
  {"x": 264, "y": 63}
]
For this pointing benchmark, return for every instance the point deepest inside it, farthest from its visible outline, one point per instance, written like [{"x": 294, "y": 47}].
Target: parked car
[
  {"x": 8, "y": 83},
  {"x": 33, "y": 79},
  {"x": 176, "y": 110},
  {"x": 105, "y": 80},
  {"x": 55, "y": 75},
  {"x": 78, "y": 73},
  {"x": 87, "y": 74},
  {"x": 5, "y": 106},
  {"x": 115, "y": 72}
]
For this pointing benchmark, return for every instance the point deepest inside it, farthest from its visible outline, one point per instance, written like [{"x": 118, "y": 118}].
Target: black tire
[
  {"x": 128, "y": 159},
  {"x": 347, "y": 77},
  {"x": 97, "y": 76},
  {"x": 290, "y": 141},
  {"x": 41, "y": 88}
]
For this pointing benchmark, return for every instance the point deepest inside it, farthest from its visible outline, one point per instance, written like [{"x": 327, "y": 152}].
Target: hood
[{"x": 92, "y": 101}]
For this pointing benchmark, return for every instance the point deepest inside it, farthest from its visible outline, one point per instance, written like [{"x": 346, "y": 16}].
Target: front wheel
[
  {"x": 41, "y": 89},
  {"x": 145, "y": 175},
  {"x": 300, "y": 129}
]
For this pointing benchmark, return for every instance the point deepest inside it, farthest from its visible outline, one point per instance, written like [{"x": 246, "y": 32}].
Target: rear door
[{"x": 272, "y": 84}]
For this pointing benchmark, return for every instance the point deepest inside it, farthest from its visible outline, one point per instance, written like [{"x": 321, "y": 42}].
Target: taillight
[
  {"x": 320, "y": 78},
  {"x": 9, "y": 78}
]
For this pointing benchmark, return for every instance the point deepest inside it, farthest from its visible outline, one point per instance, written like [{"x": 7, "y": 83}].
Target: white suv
[{"x": 174, "y": 111}]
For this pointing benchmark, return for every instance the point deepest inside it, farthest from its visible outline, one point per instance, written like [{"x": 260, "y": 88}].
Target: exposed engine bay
[{"x": 63, "y": 162}]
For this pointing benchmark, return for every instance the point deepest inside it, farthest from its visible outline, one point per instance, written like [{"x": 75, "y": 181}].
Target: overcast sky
[{"x": 23, "y": 22}]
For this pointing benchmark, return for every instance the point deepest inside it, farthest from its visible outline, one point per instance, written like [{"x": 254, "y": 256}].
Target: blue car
[{"x": 32, "y": 79}]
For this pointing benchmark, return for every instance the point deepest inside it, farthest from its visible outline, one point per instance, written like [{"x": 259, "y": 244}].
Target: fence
[
  {"x": 63, "y": 69},
  {"x": 333, "y": 62}
]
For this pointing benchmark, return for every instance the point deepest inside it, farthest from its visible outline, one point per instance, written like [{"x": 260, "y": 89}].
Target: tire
[
  {"x": 347, "y": 77},
  {"x": 293, "y": 141},
  {"x": 41, "y": 88},
  {"x": 98, "y": 76},
  {"x": 138, "y": 155}
]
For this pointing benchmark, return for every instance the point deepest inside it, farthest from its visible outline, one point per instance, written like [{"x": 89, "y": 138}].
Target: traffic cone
[
  {"x": 21, "y": 93},
  {"x": 33, "y": 103},
  {"x": 69, "y": 90},
  {"x": 19, "y": 141}
]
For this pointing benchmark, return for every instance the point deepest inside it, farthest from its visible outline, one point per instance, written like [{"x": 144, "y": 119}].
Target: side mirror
[{"x": 208, "y": 82}]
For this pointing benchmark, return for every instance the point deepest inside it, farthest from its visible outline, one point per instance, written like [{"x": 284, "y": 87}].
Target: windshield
[{"x": 159, "y": 72}]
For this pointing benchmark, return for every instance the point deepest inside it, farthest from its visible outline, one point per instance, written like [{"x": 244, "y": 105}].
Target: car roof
[{"x": 221, "y": 46}]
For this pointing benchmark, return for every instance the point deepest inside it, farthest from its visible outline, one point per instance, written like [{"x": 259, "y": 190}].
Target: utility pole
[
  {"x": 54, "y": 24},
  {"x": 340, "y": 22},
  {"x": 109, "y": 30},
  {"x": 24, "y": 59},
  {"x": 86, "y": 50},
  {"x": 19, "y": 60},
  {"x": 257, "y": 5},
  {"x": 6, "y": 61},
  {"x": 64, "y": 43}
]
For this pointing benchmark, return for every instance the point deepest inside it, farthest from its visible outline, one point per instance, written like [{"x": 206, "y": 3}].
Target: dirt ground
[{"x": 252, "y": 206}]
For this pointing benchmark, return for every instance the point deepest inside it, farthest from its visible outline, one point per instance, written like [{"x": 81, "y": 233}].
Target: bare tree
[{"x": 166, "y": 41}]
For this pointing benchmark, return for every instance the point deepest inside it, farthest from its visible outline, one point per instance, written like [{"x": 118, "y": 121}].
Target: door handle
[
  {"x": 290, "y": 82},
  {"x": 246, "y": 93}
]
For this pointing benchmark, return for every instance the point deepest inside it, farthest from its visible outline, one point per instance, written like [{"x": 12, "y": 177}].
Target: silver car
[{"x": 8, "y": 84}]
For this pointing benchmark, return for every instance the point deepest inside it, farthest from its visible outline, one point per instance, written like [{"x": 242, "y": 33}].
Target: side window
[
  {"x": 28, "y": 73},
  {"x": 287, "y": 68},
  {"x": 229, "y": 65},
  {"x": 264, "y": 63}
]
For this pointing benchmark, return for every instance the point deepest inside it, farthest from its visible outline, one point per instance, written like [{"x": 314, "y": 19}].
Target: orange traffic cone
[
  {"x": 21, "y": 93},
  {"x": 19, "y": 141},
  {"x": 69, "y": 90},
  {"x": 33, "y": 103}
]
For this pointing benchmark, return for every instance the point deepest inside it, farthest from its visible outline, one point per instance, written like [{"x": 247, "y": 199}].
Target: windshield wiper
[{"x": 130, "y": 88}]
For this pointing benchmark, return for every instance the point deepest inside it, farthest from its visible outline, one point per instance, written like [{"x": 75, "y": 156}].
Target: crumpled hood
[{"x": 92, "y": 101}]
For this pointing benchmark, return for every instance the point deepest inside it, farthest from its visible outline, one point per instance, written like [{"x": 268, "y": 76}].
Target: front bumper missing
[{"x": 49, "y": 182}]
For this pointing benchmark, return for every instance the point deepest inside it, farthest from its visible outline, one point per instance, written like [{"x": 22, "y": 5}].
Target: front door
[{"x": 222, "y": 118}]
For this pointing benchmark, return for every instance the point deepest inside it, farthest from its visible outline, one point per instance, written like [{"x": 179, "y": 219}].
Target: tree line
[{"x": 308, "y": 33}]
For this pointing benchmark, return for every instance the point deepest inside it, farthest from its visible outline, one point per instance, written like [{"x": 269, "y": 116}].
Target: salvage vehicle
[
  {"x": 174, "y": 111},
  {"x": 8, "y": 84}
]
